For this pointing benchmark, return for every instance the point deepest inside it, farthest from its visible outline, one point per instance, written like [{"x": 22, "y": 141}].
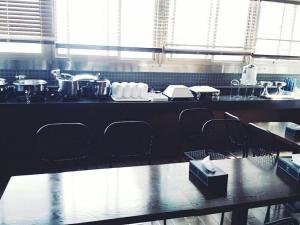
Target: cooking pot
[
  {"x": 33, "y": 89},
  {"x": 3, "y": 89},
  {"x": 99, "y": 88},
  {"x": 67, "y": 87}
]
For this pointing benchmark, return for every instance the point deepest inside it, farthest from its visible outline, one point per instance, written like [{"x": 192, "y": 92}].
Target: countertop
[{"x": 221, "y": 100}]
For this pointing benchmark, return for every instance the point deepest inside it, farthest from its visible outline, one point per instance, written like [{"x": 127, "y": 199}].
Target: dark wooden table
[
  {"x": 143, "y": 193},
  {"x": 278, "y": 129}
]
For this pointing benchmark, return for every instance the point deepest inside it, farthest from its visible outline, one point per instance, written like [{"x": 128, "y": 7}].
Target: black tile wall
[{"x": 156, "y": 80}]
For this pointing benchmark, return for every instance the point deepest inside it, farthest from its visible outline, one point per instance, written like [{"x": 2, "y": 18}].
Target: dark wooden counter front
[{"x": 20, "y": 121}]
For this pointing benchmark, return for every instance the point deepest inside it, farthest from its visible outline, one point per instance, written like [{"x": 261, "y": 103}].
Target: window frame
[{"x": 158, "y": 62}]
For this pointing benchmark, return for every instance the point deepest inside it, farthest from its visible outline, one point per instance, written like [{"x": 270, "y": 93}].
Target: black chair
[
  {"x": 191, "y": 122},
  {"x": 230, "y": 116},
  {"x": 221, "y": 137},
  {"x": 128, "y": 140},
  {"x": 63, "y": 145},
  {"x": 262, "y": 142},
  {"x": 285, "y": 221}
]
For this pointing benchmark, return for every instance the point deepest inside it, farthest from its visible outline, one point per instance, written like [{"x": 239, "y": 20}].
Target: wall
[{"x": 156, "y": 80}]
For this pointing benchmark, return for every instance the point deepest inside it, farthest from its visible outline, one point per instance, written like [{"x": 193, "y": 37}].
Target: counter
[
  {"x": 20, "y": 121},
  {"x": 219, "y": 103}
]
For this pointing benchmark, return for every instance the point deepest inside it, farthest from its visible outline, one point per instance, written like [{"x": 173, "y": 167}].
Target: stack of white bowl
[{"x": 130, "y": 90}]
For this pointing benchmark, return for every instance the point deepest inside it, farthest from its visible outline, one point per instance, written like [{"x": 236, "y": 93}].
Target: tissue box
[
  {"x": 216, "y": 181},
  {"x": 293, "y": 130},
  {"x": 287, "y": 165}
]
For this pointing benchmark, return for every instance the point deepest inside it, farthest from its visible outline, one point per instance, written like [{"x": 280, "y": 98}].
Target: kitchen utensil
[
  {"x": 33, "y": 89},
  {"x": 3, "y": 89},
  {"x": 99, "y": 88},
  {"x": 280, "y": 85},
  {"x": 144, "y": 90},
  {"x": 126, "y": 90},
  {"x": 117, "y": 90},
  {"x": 265, "y": 85},
  {"x": 134, "y": 89},
  {"x": 235, "y": 83},
  {"x": 249, "y": 75},
  {"x": 68, "y": 88}
]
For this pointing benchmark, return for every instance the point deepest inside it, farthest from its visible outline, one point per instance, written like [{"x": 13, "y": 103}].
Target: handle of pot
[
  {"x": 20, "y": 77},
  {"x": 12, "y": 87},
  {"x": 110, "y": 89},
  {"x": 28, "y": 96},
  {"x": 56, "y": 72}
]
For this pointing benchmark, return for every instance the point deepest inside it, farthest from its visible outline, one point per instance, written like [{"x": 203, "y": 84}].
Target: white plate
[{"x": 130, "y": 99}]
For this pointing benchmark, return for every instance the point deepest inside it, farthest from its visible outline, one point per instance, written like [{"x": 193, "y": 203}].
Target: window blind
[
  {"x": 194, "y": 29},
  {"x": 104, "y": 24},
  {"x": 26, "y": 20},
  {"x": 207, "y": 26}
]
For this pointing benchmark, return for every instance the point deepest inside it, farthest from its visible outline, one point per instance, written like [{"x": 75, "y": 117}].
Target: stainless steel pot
[
  {"x": 67, "y": 87},
  {"x": 3, "y": 88},
  {"x": 31, "y": 88},
  {"x": 99, "y": 88},
  {"x": 30, "y": 85}
]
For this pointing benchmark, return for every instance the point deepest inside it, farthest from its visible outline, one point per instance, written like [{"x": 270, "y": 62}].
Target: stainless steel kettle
[{"x": 68, "y": 88}]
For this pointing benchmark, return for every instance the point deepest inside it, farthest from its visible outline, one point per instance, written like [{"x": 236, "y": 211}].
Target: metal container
[
  {"x": 32, "y": 89},
  {"x": 3, "y": 89},
  {"x": 30, "y": 85},
  {"x": 67, "y": 87},
  {"x": 99, "y": 88}
]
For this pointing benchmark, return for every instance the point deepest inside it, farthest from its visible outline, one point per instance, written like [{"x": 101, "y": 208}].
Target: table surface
[
  {"x": 278, "y": 129},
  {"x": 137, "y": 194}
]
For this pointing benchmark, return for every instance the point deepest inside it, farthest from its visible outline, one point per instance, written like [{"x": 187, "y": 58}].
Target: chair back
[
  {"x": 230, "y": 116},
  {"x": 128, "y": 138},
  {"x": 63, "y": 141},
  {"x": 225, "y": 134},
  {"x": 191, "y": 121},
  {"x": 262, "y": 142},
  {"x": 284, "y": 221}
]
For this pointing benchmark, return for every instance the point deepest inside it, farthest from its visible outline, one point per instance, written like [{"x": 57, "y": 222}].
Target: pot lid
[
  {"x": 30, "y": 82},
  {"x": 3, "y": 81}
]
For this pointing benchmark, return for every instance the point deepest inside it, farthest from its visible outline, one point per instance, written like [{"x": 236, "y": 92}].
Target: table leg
[{"x": 239, "y": 217}]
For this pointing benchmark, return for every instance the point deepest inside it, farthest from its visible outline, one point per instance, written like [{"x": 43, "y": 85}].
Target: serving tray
[{"x": 130, "y": 99}]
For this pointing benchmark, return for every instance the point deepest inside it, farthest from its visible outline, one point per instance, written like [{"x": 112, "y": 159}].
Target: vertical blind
[{"x": 30, "y": 20}]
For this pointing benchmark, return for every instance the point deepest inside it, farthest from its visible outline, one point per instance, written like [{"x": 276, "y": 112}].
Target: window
[
  {"x": 105, "y": 22},
  {"x": 208, "y": 25},
  {"x": 282, "y": 35},
  {"x": 139, "y": 28},
  {"x": 25, "y": 24}
]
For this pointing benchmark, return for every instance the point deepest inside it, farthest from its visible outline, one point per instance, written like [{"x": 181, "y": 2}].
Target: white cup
[
  {"x": 134, "y": 89},
  {"x": 117, "y": 91},
  {"x": 143, "y": 90},
  {"x": 140, "y": 90},
  {"x": 126, "y": 89}
]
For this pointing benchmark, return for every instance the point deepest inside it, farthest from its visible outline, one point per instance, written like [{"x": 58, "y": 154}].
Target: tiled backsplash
[{"x": 156, "y": 80}]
